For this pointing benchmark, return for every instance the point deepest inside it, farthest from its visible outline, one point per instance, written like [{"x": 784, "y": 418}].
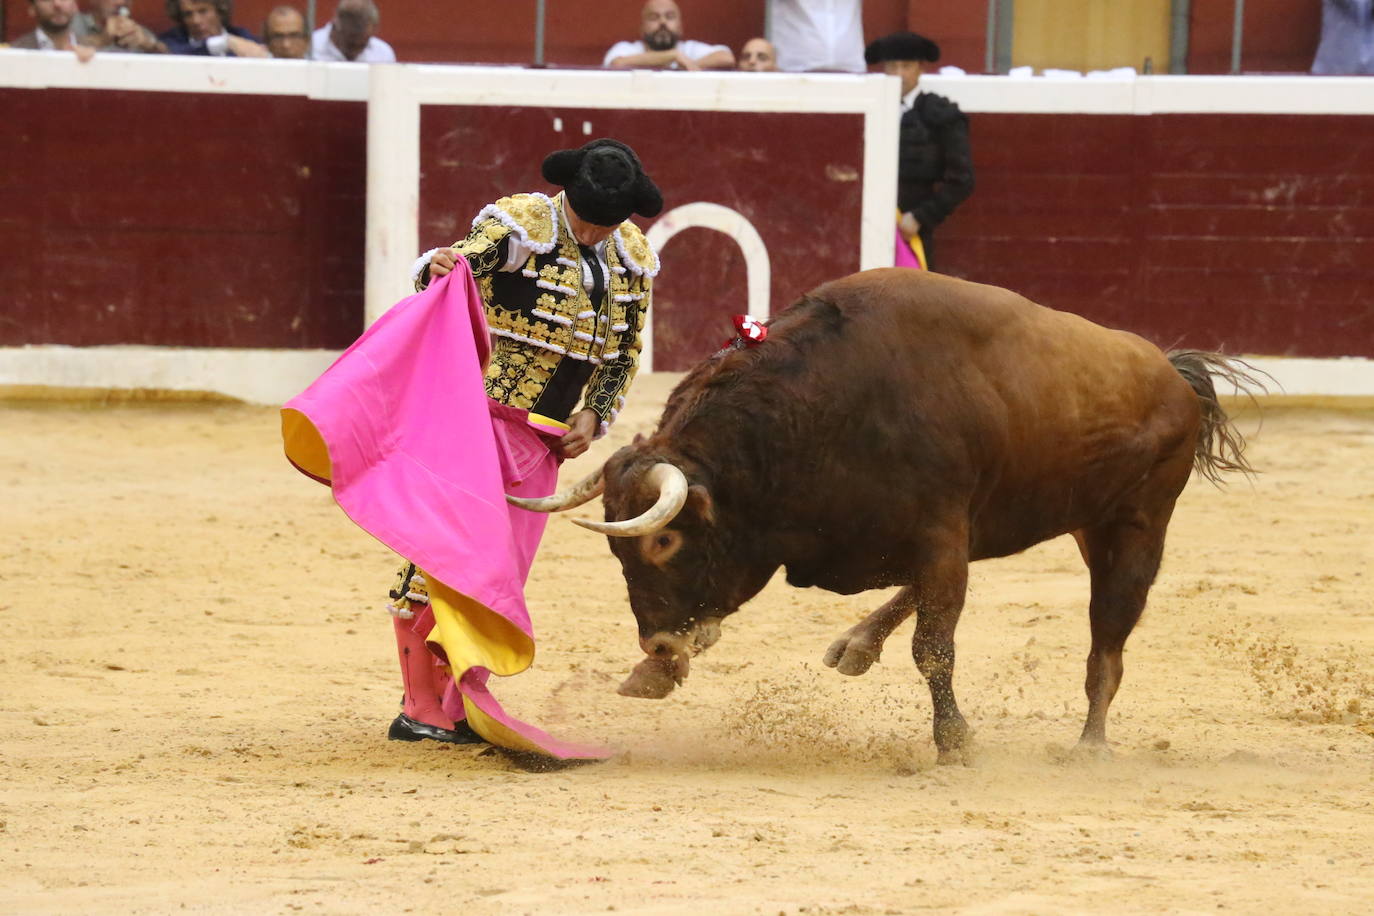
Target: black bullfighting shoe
[{"x": 404, "y": 728}]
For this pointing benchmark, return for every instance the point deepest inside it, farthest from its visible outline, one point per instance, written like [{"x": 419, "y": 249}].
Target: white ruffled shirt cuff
[{"x": 417, "y": 270}]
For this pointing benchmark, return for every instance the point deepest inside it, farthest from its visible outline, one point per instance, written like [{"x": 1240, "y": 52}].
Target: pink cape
[
  {"x": 909, "y": 254},
  {"x": 401, "y": 429}
]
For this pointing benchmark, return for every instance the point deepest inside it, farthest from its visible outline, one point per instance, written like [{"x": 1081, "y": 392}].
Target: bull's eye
[{"x": 660, "y": 548}]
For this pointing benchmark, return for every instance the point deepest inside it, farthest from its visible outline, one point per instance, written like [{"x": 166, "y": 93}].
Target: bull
[{"x": 895, "y": 426}]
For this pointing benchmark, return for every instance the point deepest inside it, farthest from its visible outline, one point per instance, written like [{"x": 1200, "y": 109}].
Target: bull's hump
[{"x": 938, "y": 304}]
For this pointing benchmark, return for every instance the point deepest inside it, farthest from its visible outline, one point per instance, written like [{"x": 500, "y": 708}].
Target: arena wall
[
  {"x": 203, "y": 225},
  {"x": 744, "y": 149}
]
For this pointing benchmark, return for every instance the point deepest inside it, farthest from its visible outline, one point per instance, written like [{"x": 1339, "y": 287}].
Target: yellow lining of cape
[
  {"x": 470, "y": 634},
  {"x": 918, "y": 247},
  {"x": 541, "y": 420},
  {"x": 304, "y": 445}
]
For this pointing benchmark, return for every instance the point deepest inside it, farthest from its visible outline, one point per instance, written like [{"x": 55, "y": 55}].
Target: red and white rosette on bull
[{"x": 750, "y": 330}]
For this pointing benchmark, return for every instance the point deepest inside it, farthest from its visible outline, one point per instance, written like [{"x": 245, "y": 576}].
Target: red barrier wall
[
  {"x": 1250, "y": 232},
  {"x": 237, "y": 221},
  {"x": 802, "y": 194},
  {"x": 181, "y": 219}
]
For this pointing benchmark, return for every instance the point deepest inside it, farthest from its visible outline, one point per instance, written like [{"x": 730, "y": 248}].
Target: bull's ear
[
  {"x": 639, "y": 437},
  {"x": 699, "y": 502}
]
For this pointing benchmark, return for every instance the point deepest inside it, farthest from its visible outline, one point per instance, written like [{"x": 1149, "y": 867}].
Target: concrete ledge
[
  {"x": 275, "y": 376},
  {"x": 254, "y": 376}
]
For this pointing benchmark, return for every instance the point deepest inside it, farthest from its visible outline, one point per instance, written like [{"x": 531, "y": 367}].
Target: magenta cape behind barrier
[
  {"x": 401, "y": 429},
  {"x": 909, "y": 254}
]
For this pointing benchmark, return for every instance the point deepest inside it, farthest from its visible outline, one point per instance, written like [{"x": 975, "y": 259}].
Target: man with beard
[
  {"x": 662, "y": 46},
  {"x": 60, "y": 28}
]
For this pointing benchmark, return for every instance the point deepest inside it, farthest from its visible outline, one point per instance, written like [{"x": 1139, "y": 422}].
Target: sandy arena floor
[{"x": 197, "y": 677}]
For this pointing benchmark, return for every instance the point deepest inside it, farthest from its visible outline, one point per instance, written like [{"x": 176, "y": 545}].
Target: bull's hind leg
[
  {"x": 1123, "y": 557},
  {"x": 857, "y": 650}
]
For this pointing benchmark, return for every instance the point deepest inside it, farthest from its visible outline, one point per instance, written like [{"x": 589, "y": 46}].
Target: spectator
[
  {"x": 60, "y": 28},
  {"x": 285, "y": 34},
  {"x": 819, "y": 35},
  {"x": 203, "y": 27},
  {"x": 934, "y": 166},
  {"x": 1347, "y": 44},
  {"x": 349, "y": 37},
  {"x": 661, "y": 46},
  {"x": 116, "y": 30},
  {"x": 758, "y": 56}
]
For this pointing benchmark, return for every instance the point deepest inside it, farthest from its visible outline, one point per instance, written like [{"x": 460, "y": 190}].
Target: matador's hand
[
  {"x": 909, "y": 226},
  {"x": 579, "y": 438},
  {"x": 443, "y": 262}
]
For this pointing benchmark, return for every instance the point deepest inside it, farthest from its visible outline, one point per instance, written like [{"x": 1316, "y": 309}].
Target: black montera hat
[
  {"x": 604, "y": 181},
  {"x": 902, "y": 46}
]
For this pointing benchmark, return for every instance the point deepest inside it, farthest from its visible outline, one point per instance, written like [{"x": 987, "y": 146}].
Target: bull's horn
[
  {"x": 672, "y": 495},
  {"x": 584, "y": 491}
]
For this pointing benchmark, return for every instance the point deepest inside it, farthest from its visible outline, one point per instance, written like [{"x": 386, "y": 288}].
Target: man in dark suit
[
  {"x": 203, "y": 28},
  {"x": 934, "y": 166}
]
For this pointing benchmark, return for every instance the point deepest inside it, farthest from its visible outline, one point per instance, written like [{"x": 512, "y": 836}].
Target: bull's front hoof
[
  {"x": 651, "y": 679},
  {"x": 851, "y": 655},
  {"x": 955, "y": 756},
  {"x": 1089, "y": 751},
  {"x": 953, "y": 742}
]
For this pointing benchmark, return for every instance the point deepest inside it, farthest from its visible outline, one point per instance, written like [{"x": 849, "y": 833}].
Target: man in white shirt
[
  {"x": 818, "y": 35},
  {"x": 351, "y": 36},
  {"x": 662, "y": 46}
]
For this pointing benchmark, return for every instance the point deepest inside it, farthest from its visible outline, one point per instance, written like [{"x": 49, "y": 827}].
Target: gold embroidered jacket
[{"x": 541, "y": 314}]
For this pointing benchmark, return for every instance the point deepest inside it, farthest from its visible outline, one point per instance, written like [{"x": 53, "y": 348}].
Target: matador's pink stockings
[{"x": 421, "y": 672}]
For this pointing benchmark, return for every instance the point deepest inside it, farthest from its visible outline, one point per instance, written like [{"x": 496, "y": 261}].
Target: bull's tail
[{"x": 1220, "y": 446}]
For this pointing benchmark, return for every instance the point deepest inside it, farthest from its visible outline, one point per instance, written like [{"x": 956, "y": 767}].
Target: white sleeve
[
  {"x": 418, "y": 269},
  {"x": 517, "y": 253},
  {"x": 621, "y": 49},
  {"x": 379, "y": 52},
  {"x": 696, "y": 50}
]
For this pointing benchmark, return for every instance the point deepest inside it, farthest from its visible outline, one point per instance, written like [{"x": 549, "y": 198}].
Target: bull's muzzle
[{"x": 668, "y": 660}]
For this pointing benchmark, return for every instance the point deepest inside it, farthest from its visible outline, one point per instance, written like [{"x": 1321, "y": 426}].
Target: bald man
[
  {"x": 662, "y": 47},
  {"x": 284, "y": 33},
  {"x": 351, "y": 36},
  {"x": 758, "y": 56}
]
